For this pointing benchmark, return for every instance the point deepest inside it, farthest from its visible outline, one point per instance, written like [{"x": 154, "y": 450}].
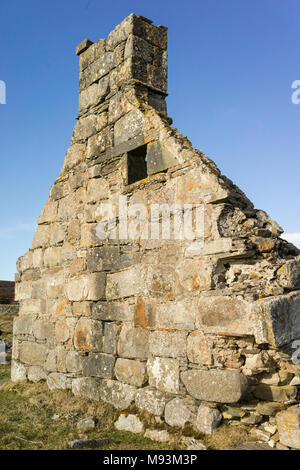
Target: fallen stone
[
  {"x": 86, "y": 424},
  {"x": 180, "y": 411},
  {"x": 288, "y": 423},
  {"x": 129, "y": 423},
  {"x": 207, "y": 419},
  {"x": 157, "y": 435}
]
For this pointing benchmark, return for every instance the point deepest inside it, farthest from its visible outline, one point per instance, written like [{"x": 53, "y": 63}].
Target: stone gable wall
[{"x": 181, "y": 328}]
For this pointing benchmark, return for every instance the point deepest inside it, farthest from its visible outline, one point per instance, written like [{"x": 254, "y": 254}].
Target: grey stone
[
  {"x": 86, "y": 387},
  {"x": 168, "y": 344},
  {"x": 157, "y": 435},
  {"x": 180, "y": 411},
  {"x": 83, "y": 46},
  {"x": 131, "y": 372},
  {"x": 98, "y": 365},
  {"x": 151, "y": 400},
  {"x": 90, "y": 443},
  {"x": 36, "y": 374},
  {"x": 207, "y": 419},
  {"x": 86, "y": 424},
  {"x": 164, "y": 374},
  {"x": 133, "y": 342},
  {"x": 129, "y": 423},
  {"x": 220, "y": 386},
  {"x": 117, "y": 394},
  {"x": 18, "y": 371}
]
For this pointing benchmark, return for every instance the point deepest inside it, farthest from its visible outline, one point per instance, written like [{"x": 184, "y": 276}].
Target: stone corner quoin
[{"x": 153, "y": 321}]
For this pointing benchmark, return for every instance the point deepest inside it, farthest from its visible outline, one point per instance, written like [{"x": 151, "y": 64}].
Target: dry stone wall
[{"x": 190, "y": 330}]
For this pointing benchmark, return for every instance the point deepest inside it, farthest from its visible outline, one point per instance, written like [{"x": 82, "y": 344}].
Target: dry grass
[{"x": 27, "y": 411}]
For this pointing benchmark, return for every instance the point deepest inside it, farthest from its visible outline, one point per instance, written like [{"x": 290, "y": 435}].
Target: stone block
[
  {"x": 131, "y": 372},
  {"x": 86, "y": 287},
  {"x": 288, "y": 423},
  {"x": 133, "y": 342},
  {"x": 168, "y": 344},
  {"x": 207, "y": 419},
  {"x": 18, "y": 371},
  {"x": 110, "y": 339},
  {"x": 277, "y": 319},
  {"x": 151, "y": 400},
  {"x": 224, "y": 314},
  {"x": 73, "y": 362},
  {"x": 104, "y": 258},
  {"x": 129, "y": 423},
  {"x": 58, "y": 381},
  {"x": 125, "y": 283},
  {"x": 275, "y": 393},
  {"x": 289, "y": 274},
  {"x": 87, "y": 387},
  {"x": 220, "y": 386},
  {"x": 36, "y": 374},
  {"x": 97, "y": 189},
  {"x": 117, "y": 394},
  {"x": 179, "y": 315},
  {"x": 98, "y": 365},
  {"x": 88, "y": 335},
  {"x": 199, "y": 348},
  {"x": 163, "y": 374},
  {"x": 128, "y": 126},
  {"x": 33, "y": 354},
  {"x": 159, "y": 158},
  {"x": 180, "y": 411}
]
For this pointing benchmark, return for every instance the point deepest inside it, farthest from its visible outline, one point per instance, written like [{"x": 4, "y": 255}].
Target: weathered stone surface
[
  {"x": 124, "y": 284},
  {"x": 221, "y": 386},
  {"x": 129, "y": 423},
  {"x": 86, "y": 424},
  {"x": 168, "y": 344},
  {"x": 274, "y": 393},
  {"x": 163, "y": 374},
  {"x": 289, "y": 274},
  {"x": 109, "y": 311},
  {"x": 179, "y": 315},
  {"x": 157, "y": 435},
  {"x": 269, "y": 408},
  {"x": 117, "y": 394},
  {"x": 98, "y": 365},
  {"x": 86, "y": 287},
  {"x": 131, "y": 372},
  {"x": 33, "y": 353},
  {"x": 288, "y": 423},
  {"x": 87, "y": 387},
  {"x": 36, "y": 374},
  {"x": 180, "y": 411},
  {"x": 199, "y": 348},
  {"x": 83, "y": 46},
  {"x": 133, "y": 342},
  {"x": 59, "y": 381},
  {"x": 18, "y": 371},
  {"x": 151, "y": 400},
  {"x": 207, "y": 419},
  {"x": 271, "y": 319},
  {"x": 88, "y": 335},
  {"x": 224, "y": 314}
]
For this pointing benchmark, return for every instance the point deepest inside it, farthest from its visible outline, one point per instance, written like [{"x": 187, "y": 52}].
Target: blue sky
[{"x": 231, "y": 66}]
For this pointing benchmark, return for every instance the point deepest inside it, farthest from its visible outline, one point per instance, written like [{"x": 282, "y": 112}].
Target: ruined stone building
[{"x": 181, "y": 327}]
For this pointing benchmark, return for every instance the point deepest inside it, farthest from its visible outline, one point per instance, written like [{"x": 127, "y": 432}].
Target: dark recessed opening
[{"x": 137, "y": 164}]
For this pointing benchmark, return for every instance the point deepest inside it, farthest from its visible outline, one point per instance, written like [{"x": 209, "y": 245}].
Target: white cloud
[{"x": 293, "y": 238}]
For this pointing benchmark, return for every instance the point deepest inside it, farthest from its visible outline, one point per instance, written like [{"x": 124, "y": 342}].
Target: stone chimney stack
[{"x": 131, "y": 61}]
